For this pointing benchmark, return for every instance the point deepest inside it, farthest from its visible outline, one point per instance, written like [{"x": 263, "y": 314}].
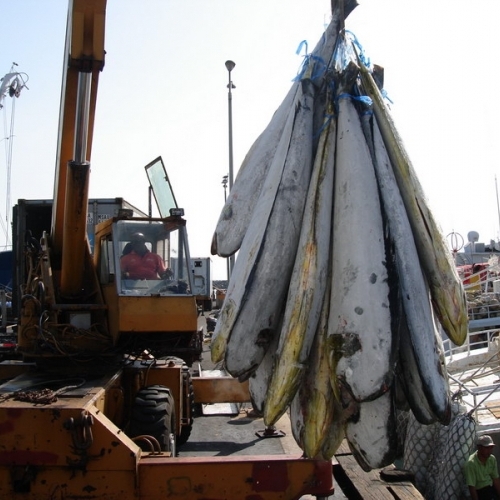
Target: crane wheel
[{"x": 153, "y": 414}]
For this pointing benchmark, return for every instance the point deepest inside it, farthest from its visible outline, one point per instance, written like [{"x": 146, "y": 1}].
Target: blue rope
[
  {"x": 299, "y": 48},
  {"x": 342, "y": 55}
]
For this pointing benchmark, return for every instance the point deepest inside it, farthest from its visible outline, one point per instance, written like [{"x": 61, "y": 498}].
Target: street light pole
[
  {"x": 230, "y": 66},
  {"x": 224, "y": 185}
]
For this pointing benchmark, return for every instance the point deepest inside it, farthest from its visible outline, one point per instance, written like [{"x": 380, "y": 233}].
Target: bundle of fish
[{"x": 343, "y": 281}]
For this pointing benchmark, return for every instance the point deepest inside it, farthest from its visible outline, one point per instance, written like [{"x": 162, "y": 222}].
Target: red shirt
[{"x": 148, "y": 267}]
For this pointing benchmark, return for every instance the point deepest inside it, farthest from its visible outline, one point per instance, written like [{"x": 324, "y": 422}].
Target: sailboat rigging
[{"x": 11, "y": 86}]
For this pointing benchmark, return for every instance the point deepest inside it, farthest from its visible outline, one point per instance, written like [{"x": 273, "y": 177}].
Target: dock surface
[
  {"x": 357, "y": 484},
  {"x": 238, "y": 434}
]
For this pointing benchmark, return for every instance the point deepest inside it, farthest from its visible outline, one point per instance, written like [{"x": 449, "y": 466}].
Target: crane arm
[{"x": 83, "y": 61}]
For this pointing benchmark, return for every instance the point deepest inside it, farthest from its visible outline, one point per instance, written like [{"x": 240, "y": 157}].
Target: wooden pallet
[
  {"x": 356, "y": 484},
  {"x": 494, "y": 407}
]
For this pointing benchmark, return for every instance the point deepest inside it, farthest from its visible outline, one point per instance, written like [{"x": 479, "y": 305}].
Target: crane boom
[{"x": 83, "y": 61}]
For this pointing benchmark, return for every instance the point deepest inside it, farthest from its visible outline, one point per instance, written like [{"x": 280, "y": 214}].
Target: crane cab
[{"x": 149, "y": 312}]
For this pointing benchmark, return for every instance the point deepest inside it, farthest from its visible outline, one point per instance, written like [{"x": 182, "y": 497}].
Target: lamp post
[
  {"x": 224, "y": 185},
  {"x": 230, "y": 66}
]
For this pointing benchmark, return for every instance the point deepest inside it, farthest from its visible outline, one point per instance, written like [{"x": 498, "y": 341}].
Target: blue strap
[
  {"x": 364, "y": 99},
  {"x": 299, "y": 48},
  {"x": 328, "y": 119},
  {"x": 386, "y": 96},
  {"x": 318, "y": 70}
]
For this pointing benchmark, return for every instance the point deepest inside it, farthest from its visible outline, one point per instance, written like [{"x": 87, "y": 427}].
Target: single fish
[
  {"x": 258, "y": 383},
  {"x": 371, "y": 434},
  {"x": 360, "y": 317},
  {"x": 242, "y": 274},
  {"x": 268, "y": 281},
  {"x": 408, "y": 391},
  {"x": 307, "y": 284},
  {"x": 448, "y": 296},
  {"x": 243, "y": 195},
  {"x": 316, "y": 415},
  {"x": 409, "y": 378},
  {"x": 423, "y": 352}
]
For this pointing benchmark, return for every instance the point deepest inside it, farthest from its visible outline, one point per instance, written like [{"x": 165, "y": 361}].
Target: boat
[{"x": 474, "y": 368}]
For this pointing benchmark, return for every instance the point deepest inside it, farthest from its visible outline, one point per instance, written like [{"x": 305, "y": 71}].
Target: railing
[
  {"x": 479, "y": 357},
  {"x": 484, "y": 306},
  {"x": 475, "y": 406},
  {"x": 483, "y": 345},
  {"x": 476, "y": 340}
]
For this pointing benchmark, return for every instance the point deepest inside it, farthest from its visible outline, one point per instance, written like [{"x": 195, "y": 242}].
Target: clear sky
[{"x": 163, "y": 92}]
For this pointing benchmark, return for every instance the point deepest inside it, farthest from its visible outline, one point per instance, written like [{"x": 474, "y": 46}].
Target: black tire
[{"x": 153, "y": 414}]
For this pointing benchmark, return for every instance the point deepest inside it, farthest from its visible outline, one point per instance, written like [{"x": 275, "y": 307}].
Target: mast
[{"x": 11, "y": 85}]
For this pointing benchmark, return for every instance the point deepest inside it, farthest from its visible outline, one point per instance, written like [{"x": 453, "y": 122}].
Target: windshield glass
[
  {"x": 160, "y": 184},
  {"x": 151, "y": 257}
]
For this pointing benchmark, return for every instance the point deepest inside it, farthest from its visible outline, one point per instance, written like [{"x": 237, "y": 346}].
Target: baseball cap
[{"x": 485, "y": 441}]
